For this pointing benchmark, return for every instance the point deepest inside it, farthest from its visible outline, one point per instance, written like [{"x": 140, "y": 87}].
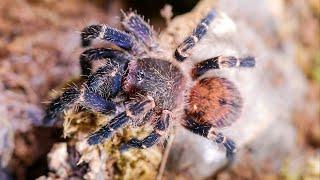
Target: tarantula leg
[
  {"x": 95, "y": 102},
  {"x": 106, "y": 131},
  {"x": 228, "y": 143},
  {"x": 133, "y": 23},
  {"x": 222, "y": 62},
  {"x": 73, "y": 95},
  {"x": 108, "y": 34},
  {"x": 57, "y": 105},
  {"x": 184, "y": 49},
  {"x": 208, "y": 131},
  {"x": 90, "y": 55},
  {"x": 134, "y": 111},
  {"x": 106, "y": 81},
  {"x": 159, "y": 130}
]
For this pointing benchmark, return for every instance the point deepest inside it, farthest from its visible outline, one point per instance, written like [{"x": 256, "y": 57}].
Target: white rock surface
[{"x": 271, "y": 91}]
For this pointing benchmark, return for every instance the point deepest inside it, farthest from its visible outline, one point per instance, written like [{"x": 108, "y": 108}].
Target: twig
[{"x": 165, "y": 155}]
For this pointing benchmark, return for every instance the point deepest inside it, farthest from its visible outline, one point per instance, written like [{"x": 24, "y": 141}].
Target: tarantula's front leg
[
  {"x": 110, "y": 35},
  {"x": 134, "y": 111},
  {"x": 221, "y": 62},
  {"x": 184, "y": 49},
  {"x": 73, "y": 95},
  {"x": 209, "y": 131},
  {"x": 106, "y": 82},
  {"x": 90, "y": 55},
  {"x": 159, "y": 130},
  {"x": 133, "y": 23},
  {"x": 68, "y": 97}
]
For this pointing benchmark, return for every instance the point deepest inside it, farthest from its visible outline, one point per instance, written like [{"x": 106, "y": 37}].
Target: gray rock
[{"x": 271, "y": 91}]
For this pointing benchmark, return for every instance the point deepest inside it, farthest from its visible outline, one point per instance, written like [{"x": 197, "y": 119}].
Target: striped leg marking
[
  {"x": 184, "y": 49},
  {"x": 72, "y": 96},
  {"x": 108, "y": 34},
  {"x": 221, "y": 62},
  {"x": 68, "y": 97},
  {"x": 208, "y": 131},
  {"x": 136, "y": 110},
  {"x": 90, "y": 55},
  {"x": 153, "y": 138}
]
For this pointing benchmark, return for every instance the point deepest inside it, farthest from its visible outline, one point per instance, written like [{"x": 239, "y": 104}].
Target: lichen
[{"x": 106, "y": 157}]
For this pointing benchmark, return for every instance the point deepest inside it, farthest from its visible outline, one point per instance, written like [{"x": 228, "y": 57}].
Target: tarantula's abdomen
[{"x": 214, "y": 101}]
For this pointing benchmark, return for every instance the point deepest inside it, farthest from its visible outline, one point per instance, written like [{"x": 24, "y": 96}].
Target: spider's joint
[
  {"x": 205, "y": 25},
  {"x": 103, "y": 29},
  {"x": 195, "y": 38},
  {"x": 212, "y": 133},
  {"x": 181, "y": 53},
  {"x": 150, "y": 98},
  {"x": 237, "y": 63}
]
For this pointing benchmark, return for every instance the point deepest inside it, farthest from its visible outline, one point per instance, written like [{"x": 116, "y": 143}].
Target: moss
[
  {"x": 309, "y": 169},
  {"x": 141, "y": 164},
  {"x": 315, "y": 71}
]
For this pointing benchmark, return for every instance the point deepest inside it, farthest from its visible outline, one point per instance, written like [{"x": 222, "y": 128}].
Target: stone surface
[{"x": 271, "y": 91}]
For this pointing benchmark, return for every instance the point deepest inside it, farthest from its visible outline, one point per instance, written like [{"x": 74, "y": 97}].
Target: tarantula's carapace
[{"x": 155, "y": 89}]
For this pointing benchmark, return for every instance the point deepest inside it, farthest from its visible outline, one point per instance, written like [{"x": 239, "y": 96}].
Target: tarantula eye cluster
[{"x": 154, "y": 89}]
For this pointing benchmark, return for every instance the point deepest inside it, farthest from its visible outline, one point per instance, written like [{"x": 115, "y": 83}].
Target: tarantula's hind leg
[
  {"x": 184, "y": 49},
  {"x": 104, "y": 83},
  {"x": 133, "y": 112},
  {"x": 221, "y": 62},
  {"x": 208, "y": 131},
  {"x": 90, "y": 55},
  {"x": 213, "y": 103},
  {"x": 228, "y": 143},
  {"x": 133, "y": 23},
  {"x": 159, "y": 130}
]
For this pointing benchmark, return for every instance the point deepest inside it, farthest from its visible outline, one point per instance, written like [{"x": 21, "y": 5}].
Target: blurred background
[{"x": 39, "y": 50}]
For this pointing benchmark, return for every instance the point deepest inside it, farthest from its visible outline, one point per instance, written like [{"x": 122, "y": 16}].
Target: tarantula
[{"x": 155, "y": 89}]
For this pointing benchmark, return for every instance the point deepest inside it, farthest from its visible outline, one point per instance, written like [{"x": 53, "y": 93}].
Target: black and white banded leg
[
  {"x": 109, "y": 35},
  {"x": 219, "y": 62},
  {"x": 153, "y": 138},
  {"x": 85, "y": 98},
  {"x": 209, "y": 131},
  {"x": 91, "y": 55},
  {"x": 106, "y": 82},
  {"x": 184, "y": 49},
  {"x": 57, "y": 105},
  {"x": 135, "y": 24},
  {"x": 133, "y": 112}
]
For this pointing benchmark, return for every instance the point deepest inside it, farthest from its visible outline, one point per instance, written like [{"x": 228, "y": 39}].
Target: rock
[{"x": 271, "y": 91}]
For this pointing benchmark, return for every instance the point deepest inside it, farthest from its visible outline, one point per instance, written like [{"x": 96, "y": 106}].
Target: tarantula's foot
[
  {"x": 154, "y": 137},
  {"x": 134, "y": 142},
  {"x": 147, "y": 142},
  {"x": 123, "y": 148},
  {"x": 106, "y": 131},
  {"x": 229, "y": 145},
  {"x": 230, "y": 149}
]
